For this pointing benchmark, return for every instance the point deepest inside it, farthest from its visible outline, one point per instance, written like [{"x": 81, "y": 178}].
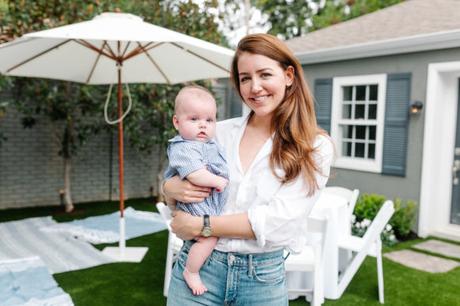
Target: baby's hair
[{"x": 196, "y": 90}]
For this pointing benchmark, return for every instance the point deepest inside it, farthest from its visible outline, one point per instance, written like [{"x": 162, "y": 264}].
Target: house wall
[{"x": 407, "y": 187}]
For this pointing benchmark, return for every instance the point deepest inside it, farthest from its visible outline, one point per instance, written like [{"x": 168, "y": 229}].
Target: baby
[{"x": 194, "y": 155}]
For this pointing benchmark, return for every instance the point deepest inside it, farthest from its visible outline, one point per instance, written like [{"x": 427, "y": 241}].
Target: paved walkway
[{"x": 429, "y": 262}]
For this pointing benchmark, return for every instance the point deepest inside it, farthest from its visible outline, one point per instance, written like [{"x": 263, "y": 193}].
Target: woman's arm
[
  {"x": 184, "y": 191},
  {"x": 187, "y": 227}
]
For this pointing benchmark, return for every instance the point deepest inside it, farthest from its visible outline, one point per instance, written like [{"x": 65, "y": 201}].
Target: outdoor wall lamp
[{"x": 416, "y": 107}]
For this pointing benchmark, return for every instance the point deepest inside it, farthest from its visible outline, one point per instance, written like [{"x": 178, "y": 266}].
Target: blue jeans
[{"x": 232, "y": 279}]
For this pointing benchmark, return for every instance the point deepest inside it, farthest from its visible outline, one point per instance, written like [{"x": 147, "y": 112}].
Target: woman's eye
[
  {"x": 194, "y": 118},
  {"x": 210, "y": 120},
  {"x": 244, "y": 79},
  {"x": 266, "y": 75}
]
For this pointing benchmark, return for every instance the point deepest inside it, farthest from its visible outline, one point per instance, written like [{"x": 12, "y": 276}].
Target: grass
[{"x": 139, "y": 284}]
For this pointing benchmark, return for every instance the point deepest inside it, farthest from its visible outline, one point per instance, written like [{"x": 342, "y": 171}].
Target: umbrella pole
[
  {"x": 122, "y": 243},
  {"x": 122, "y": 253}
]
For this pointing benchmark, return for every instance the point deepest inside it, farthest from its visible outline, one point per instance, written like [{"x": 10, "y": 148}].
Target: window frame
[{"x": 354, "y": 163}]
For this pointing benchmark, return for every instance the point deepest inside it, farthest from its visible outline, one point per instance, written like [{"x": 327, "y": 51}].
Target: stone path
[
  {"x": 425, "y": 262},
  {"x": 439, "y": 247},
  {"x": 422, "y": 261}
]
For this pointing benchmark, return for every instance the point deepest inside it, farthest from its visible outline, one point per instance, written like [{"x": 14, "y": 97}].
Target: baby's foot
[{"x": 194, "y": 282}]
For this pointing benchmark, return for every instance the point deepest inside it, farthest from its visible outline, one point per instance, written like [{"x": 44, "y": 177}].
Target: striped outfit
[{"x": 187, "y": 156}]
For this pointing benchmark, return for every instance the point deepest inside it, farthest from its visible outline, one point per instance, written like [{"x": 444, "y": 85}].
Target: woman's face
[{"x": 263, "y": 82}]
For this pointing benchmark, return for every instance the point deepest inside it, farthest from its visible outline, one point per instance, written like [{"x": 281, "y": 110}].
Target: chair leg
[
  {"x": 380, "y": 276},
  {"x": 168, "y": 268}
]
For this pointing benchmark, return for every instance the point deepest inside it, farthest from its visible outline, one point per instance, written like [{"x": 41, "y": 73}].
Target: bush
[{"x": 400, "y": 223}]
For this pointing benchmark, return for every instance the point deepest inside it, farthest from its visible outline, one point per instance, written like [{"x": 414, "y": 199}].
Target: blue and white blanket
[
  {"x": 59, "y": 251},
  {"x": 28, "y": 282},
  {"x": 105, "y": 228}
]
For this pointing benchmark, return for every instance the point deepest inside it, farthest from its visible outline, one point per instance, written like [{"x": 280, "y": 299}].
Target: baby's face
[{"x": 196, "y": 119}]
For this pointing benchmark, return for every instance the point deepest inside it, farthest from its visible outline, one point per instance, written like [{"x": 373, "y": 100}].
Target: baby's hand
[{"x": 221, "y": 184}]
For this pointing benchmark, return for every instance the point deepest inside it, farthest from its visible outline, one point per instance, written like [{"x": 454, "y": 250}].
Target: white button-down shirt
[{"x": 277, "y": 213}]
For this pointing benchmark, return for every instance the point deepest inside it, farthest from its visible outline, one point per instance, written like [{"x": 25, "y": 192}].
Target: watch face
[{"x": 206, "y": 232}]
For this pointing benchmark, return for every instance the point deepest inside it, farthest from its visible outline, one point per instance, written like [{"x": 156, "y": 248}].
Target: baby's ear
[{"x": 175, "y": 122}]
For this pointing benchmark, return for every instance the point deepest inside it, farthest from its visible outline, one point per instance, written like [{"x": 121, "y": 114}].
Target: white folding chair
[
  {"x": 350, "y": 195},
  {"x": 370, "y": 244},
  {"x": 311, "y": 259},
  {"x": 174, "y": 245}
]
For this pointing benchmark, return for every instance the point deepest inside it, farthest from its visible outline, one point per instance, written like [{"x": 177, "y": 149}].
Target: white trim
[
  {"x": 408, "y": 44},
  {"x": 356, "y": 163},
  {"x": 438, "y": 148}
]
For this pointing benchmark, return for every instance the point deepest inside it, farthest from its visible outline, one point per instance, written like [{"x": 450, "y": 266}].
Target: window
[{"x": 358, "y": 109}]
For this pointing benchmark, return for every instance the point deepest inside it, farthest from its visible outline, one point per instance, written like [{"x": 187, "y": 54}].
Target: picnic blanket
[
  {"x": 105, "y": 228},
  {"x": 59, "y": 251},
  {"x": 28, "y": 282}
]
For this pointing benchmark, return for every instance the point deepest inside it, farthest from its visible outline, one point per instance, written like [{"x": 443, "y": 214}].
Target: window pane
[
  {"x": 348, "y": 93},
  {"x": 359, "y": 149},
  {"x": 361, "y": 93},
  {"x": 372, "y": 130},
  {"x": 372, "y": 111},
  {"x": 373, "y": 92},
  {"x": 360, "y": 132},
  {"x": 371, "y": 151},
  {"x": 359, "y": 111},
  {"x": 347, "y": 131},
  {"x": 346, "y": 112},
  {"x": 346, "y": 148}
]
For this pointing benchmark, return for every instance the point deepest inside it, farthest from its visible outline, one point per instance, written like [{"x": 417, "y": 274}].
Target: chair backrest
[
  {"x": 165, "y": 213},
  {"x": 317, "y": 235},
  {"x": 350, "y": 195},
  {"x": 372, "y": 235}
]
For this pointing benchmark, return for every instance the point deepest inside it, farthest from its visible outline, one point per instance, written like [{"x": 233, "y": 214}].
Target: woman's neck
[{"x": 262, "y": 124}]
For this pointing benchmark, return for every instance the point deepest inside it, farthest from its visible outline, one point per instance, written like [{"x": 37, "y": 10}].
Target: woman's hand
[
  {"x": 184, "y": 191},
  {"x": 186, "y": 226}
]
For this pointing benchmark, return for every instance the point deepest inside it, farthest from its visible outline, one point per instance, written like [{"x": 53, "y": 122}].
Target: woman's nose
[{"x": 256, "y": 86}]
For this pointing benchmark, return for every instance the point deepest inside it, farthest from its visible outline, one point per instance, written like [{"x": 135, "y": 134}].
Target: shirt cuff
[{"x": 257, "y": 217}]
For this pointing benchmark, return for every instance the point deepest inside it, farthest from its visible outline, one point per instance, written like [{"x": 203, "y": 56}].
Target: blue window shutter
[
  {"x": 396, "y": 124},
  {"x": 323, "y": 107}
]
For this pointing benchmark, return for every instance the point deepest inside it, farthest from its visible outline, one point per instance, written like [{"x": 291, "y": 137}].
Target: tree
[
  {"x": 68, "y": 106},
  {"x": 335, "y": 12},
  {"x": 75, "y": 109},
  {"x": 288, "y": 18}
]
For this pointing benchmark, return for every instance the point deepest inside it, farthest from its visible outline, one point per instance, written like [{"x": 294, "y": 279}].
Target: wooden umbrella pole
[{"x": 120, "y": 144}]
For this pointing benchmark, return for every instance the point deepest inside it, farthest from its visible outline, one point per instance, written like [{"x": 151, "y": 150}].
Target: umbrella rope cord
[{"x": 106, "y": 105}]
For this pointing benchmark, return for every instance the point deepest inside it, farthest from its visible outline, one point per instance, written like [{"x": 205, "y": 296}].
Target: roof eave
[{"x": 425, "y": 42}]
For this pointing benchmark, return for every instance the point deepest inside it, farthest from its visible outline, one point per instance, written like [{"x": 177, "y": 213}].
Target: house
[{"x": 387, "y": 89}]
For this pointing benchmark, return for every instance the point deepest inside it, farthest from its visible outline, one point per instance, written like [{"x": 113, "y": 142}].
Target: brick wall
[{"x": 31, "y": 171}]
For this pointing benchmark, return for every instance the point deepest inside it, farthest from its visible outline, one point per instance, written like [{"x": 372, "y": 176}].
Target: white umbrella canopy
[
  {"x": 115, "y": 48},
  {"x": 87, "y": 52}
]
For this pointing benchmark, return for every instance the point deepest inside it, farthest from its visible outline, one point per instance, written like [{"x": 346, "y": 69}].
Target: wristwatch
[{"x": 206, "y": 230}]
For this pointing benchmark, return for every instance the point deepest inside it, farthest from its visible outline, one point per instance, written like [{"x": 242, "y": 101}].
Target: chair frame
[
  {"x": 174, "y": 245},
  {"x": 320, "y": 228},
  {"x": 370, "y": 244}
]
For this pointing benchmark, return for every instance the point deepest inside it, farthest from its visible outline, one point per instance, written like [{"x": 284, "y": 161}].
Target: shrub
[{"x": 400, "y": 223}]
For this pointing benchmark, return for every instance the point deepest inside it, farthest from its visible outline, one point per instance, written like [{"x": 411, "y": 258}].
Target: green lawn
[{"x": 139, "y": 284}]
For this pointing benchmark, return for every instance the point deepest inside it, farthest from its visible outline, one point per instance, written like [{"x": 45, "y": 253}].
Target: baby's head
[{"x": 195, "y": 113}]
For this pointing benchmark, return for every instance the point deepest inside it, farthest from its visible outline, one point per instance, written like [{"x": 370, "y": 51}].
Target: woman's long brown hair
[{"x": 294, "y": 121}]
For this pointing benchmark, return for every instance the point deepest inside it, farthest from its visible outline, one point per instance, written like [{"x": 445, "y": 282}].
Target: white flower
[
  {"x": 366, "y": 222},
  {"x": 353, "y": 218},
  {"x": 392, "y": 237},
  {"x": 358, "y": 225},
  {"x": 388, "y": 227}
]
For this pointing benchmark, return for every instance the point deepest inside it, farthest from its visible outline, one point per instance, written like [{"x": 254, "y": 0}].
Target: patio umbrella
[{"x": 114, "y": 48}]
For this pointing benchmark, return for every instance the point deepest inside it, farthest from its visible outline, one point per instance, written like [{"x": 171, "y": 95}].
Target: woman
[{"x": 278, "y": 160}]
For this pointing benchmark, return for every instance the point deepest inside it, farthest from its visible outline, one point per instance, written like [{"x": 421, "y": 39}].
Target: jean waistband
[{"x": 240, "y": 259}]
